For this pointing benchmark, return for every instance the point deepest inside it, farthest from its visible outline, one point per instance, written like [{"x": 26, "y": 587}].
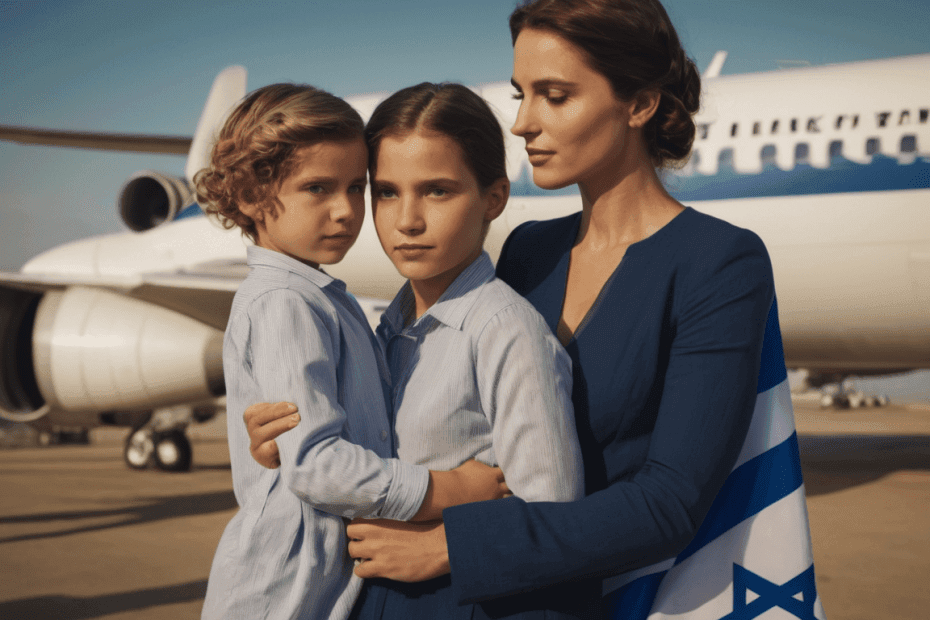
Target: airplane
[{"x": 830, "y": 165}]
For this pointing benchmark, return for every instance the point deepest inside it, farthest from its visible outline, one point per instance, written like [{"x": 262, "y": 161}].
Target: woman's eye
[
  {"x": 556, "y": 97},
  {"x": 438, "y": 192},
  {"x": 385, "y": 193},
  {"x": 517, "y": 95}
]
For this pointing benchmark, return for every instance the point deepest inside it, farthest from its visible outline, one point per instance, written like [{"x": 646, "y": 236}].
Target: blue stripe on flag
[
  {"x": 634, "y": 600},
  {"x": 772, "y": 370},
  {"x": 751, "y": 488}
]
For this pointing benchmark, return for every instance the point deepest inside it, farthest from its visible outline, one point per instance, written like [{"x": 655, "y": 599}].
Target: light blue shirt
[
  {"x": 295, "y": 334},
  {"x": 480, "y": 375}
]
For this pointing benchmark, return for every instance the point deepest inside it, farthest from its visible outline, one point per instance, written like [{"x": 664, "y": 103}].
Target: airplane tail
[{"x": 228, "y": 89}]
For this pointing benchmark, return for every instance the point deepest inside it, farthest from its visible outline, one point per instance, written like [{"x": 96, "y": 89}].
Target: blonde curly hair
[{"x": 254, "y": 152}]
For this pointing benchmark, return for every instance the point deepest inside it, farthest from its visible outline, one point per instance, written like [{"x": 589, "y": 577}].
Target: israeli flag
[{"x": 751, "y": 557}]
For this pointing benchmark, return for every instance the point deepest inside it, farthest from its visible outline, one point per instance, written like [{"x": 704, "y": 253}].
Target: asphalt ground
[{"x": 82, "y": 536}]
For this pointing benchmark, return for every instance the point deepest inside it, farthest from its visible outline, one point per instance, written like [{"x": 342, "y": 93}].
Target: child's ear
[
  {"x": 496, "y": 199},
  {"x": 254, "y": 211}
]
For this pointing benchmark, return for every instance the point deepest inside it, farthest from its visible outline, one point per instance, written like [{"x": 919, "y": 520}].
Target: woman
[{"x": 661, "y": 309}]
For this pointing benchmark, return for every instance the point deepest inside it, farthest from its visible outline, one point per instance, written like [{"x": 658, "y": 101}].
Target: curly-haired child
[{"x": 289, "y": 169}]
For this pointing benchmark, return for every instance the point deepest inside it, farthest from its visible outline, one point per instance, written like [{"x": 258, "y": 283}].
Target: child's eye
[
  {"x": 384, "y": 192},
  {"x": 357, "y": 189},
  {"x": 438, "y": 192},
  {"x": 316, "y": 189}
]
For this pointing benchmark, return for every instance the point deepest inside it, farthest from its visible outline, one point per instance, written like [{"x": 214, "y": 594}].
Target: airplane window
[
  {"x": 794, "y": 125},
  {"x": 768, "y": 155},
  {"x": 905, "y": 118},
  {"x": 882, "y": 118},
  {"x": 733, "y": 130},
  {"x": 855, "y": 121},
  {"x": 812, "y": 126},
  {"x": 775, "y": 126},
  {"x": 725, "y": 159},
  {"x": 836, "y": 149},
  {"x": 909, "y": 144},
  {"x": 839, "y": 121},
  {"x": 756, "y": 128},
  {"x": 703, "y": 129},
  {"x": 924, "y": 113},
  {"x": 802, "y": 153},
  {"x": 871, "y": 146}
]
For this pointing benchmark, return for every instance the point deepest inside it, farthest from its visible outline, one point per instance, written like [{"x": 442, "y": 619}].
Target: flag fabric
[{"x": 751, "y": 557}]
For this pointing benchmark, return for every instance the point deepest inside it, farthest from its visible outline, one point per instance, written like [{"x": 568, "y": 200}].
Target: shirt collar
[
  {"x": 451, "y": 308},
  {"x": 263, "y": 257}
]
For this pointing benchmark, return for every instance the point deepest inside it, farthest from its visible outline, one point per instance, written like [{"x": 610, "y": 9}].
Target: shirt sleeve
[
  {"x": 499, "y": 548},
  {"x": 525, "y": 385},
  {"x": 294, "y": 352}
]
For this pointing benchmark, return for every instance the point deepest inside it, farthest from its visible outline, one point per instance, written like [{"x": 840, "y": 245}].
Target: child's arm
[
  {"x": 525, "y": 385},
  {"x": 294, "y": 353}
]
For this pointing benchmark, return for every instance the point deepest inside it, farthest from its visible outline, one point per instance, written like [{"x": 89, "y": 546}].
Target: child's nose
[{"x": 409, "y": 218}]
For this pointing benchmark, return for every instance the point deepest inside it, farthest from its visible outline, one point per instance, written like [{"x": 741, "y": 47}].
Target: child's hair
[
  {"x": 448, "y": 109},
  {"x": 254, "y": 152}
]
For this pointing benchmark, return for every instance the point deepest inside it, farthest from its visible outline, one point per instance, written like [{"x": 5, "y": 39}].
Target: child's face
[
  {"x": 430, "y": 212},
  {"x": 322, "y": 204}
]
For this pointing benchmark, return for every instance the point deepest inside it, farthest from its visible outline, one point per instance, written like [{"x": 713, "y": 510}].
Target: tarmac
[{"x": 82, "y": 536}]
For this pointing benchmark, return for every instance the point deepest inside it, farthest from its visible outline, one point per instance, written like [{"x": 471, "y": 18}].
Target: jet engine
[
  {"x": 78, "y": 354},
  {"x": 151, "y": 198}
]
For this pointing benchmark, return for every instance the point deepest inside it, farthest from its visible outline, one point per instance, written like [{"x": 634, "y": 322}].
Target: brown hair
[
  {"x": 634, "y": 45},
  {"x": 254, "y": 152},
  {"x": 449, "y": 109}
]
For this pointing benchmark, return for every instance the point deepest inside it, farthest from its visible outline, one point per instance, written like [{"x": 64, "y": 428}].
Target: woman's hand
[
  {"x": 398, "y": 550},
  {"x": 264, "y": 422}
]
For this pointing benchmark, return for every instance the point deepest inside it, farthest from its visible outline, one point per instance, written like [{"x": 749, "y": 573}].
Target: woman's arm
[{"x": 499, "y": 548}]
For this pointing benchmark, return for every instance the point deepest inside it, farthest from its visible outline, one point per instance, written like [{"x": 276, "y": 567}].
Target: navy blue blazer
[{"x": 665, "y": 370}]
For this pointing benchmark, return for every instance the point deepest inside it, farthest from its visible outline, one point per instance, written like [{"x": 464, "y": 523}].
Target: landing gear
[
  {"x": 160, "y": 441},
  {"x": 851, "y": 399},
  {"x": 173, "y": 451}
]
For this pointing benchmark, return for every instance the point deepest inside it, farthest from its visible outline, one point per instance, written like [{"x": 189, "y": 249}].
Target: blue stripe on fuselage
[{"x": 882, "y": 174}]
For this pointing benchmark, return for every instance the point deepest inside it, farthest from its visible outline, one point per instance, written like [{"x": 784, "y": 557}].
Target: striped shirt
[
  {"x": 295, "y": 334},
  {"x": 480, "y": 375}
]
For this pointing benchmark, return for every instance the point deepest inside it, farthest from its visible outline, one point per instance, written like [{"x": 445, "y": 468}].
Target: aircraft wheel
[
  {"x": 139, "y": 448},
  {"x": 173, "y": 451}
]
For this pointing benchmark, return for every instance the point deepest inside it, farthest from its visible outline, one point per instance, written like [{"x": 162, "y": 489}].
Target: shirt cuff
[{"x": 407, "y": 490}]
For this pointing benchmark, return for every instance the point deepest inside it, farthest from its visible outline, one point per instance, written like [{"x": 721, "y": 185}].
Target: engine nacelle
[
  {"x": 85, "y": 350},
  {"x": 151, "y": 198}
]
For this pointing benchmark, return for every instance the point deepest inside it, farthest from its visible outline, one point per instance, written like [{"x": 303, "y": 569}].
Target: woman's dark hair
[
  {"x": 254, "y": 152},
  {"x": 448, "y": 109},
  {"x": 634, "y": 45}
]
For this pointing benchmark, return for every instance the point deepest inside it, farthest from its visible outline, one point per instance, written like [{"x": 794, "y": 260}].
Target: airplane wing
[{"x": 136, "y": 143}]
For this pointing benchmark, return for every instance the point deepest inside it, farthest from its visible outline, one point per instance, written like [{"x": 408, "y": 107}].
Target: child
[
  {"x": 289, "y": 169},
  {"x": 476, "y": 372}
]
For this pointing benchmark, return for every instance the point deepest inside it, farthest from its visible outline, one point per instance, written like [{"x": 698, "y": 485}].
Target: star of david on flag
[{"x": 751, "y": 557}]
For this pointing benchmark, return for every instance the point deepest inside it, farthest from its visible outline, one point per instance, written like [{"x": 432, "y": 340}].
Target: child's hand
[
  {"x": 471, "y": 481},
  {"x": 264, "y": 422},
  {"x": 477, "y": 482}
]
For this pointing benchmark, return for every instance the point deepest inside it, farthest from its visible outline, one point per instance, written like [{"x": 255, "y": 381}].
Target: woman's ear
[
  {"x": 643, "y": 107},
  {"x": 496, "y": 197}
]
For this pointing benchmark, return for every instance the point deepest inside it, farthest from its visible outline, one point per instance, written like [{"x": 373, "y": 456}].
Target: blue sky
[{"x": 146, "y": 67}]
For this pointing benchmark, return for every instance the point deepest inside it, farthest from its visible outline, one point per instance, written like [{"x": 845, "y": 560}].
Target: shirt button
[{"x": 383, "y": 435}]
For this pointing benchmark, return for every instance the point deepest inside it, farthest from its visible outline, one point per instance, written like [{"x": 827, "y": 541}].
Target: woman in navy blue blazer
[{"x": 662, "y": 310}]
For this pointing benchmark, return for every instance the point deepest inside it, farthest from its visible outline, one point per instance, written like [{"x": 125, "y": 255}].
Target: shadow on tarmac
[
  {"x": 836, "y": 462},
  {"x": 154, "y": 509},
  {"x": 81, "y": 608}
]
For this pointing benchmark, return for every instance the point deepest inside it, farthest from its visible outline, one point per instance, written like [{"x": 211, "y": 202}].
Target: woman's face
[
  {"x": 574, "y": 125},
  {"x": 429, "y": 210}
]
